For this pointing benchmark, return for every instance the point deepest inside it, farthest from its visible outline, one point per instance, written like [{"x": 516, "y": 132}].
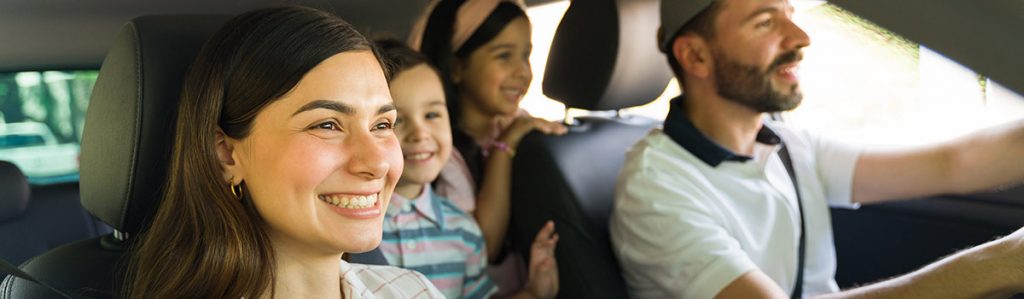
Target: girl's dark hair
[
  {"x": 437, "y": 41},
  {"x": 398, "y": 57},
  {"x": 203, "y": 242}
]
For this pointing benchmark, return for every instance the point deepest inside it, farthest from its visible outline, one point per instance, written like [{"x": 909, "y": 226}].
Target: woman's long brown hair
[{"x": 203, "y": 242}]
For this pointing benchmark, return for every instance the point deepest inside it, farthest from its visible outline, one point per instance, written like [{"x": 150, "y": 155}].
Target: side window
[
  {"x": 42, "y": 114},
  {"x": 866, "y": 85}
]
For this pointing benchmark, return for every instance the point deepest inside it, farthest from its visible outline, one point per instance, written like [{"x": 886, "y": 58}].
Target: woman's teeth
[
  {"x": 420, "y": 156},
  {"x": 350, "y": 202}
]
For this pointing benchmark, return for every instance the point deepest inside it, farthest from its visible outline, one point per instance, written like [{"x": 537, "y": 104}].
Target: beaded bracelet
[{"x": 502, "y": 146}]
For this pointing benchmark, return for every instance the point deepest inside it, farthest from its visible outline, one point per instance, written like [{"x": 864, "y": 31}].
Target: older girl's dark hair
[{"x": 204, "y": 242}]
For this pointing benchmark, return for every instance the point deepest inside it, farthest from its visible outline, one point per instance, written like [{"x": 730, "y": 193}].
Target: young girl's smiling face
[
  {"x": 321, "y": 162},
  {"x": 494, "y": 78},
  {"x": 423, "y": 127}
]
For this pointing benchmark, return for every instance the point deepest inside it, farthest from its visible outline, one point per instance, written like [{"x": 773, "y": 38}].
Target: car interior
[
  {"x": 572, "y": 177},
  {"x": 603, "y": 59}
]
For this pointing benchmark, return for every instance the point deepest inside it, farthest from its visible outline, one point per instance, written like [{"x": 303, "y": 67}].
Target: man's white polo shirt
[{"x": 689, "y": 219}]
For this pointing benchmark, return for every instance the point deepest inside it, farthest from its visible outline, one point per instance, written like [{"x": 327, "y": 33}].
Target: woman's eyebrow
[
  {"x": 386, "y": 108},
  {"x": 325, "y": 104}
]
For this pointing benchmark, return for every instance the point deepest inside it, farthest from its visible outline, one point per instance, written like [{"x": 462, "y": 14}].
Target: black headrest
[
  {"x": 13, "y": 191},
  {"x": 129, "y": 124},
  {"x": 605, "y": 56}
]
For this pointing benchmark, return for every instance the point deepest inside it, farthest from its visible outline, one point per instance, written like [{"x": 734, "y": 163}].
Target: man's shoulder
[
  {"x": 658, "y": 155},
  {"x": 659, "y": 172}
]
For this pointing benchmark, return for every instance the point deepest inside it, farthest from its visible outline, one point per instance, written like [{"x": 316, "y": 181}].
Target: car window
[
  {"x": 20, "y": 140},
  {"x": 42, "y": 114}
]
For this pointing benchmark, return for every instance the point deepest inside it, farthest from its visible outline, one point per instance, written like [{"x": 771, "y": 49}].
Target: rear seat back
[
  {"x": 603, "y": 57},
  {"x": 39, "y": 218}
]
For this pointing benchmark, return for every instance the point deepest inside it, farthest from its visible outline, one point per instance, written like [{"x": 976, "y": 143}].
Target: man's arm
[
  {"x": 753, "y": 284},
  {"x": 985, "y": 159},
  {"x": 992, "y": 270}
]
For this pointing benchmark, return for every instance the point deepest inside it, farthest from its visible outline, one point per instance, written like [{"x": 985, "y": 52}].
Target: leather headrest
[
  {"x": 13, "y": 191},
  {"x": 605, "y": 56},
  {"x": 130, "y": 121}
]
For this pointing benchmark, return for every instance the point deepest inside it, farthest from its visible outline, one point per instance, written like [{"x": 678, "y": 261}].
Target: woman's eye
[
  {"x": 433, "y": 115},
  {"x": 384, "y": 125},
  {"x": 504, "y": 55},
  {"x": 330, "y": 125}
]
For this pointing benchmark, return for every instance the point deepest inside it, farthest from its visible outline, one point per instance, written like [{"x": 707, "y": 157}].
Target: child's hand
[
  {"x": 543, "y": 281},
  {"x": 523, "y": 124}
]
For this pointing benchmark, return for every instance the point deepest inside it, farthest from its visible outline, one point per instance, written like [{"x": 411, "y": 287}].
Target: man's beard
[{"x": 750, "y": 86}]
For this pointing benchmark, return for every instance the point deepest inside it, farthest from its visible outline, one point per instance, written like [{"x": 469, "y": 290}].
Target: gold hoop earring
[{"x": 236, "y": 190}]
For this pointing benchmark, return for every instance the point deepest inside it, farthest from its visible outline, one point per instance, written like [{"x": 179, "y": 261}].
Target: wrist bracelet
[{"x": 502, "y": 146}]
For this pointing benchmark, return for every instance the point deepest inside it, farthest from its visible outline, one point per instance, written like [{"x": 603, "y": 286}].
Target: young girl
[
  {"x": 425, "y": 231},
  {"x": 283, "y": 159},
  {"x": 482, "y": 49}
]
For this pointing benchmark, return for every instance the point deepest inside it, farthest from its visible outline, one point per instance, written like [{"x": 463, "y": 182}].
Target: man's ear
[
  {"x": 225, "y": 147},
  {"x": 693, "y": 54}
]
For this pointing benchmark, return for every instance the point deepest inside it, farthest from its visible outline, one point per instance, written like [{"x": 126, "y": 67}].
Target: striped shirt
[
  {"x": 431, "y": 235},
  {"x": 363, "y": 281}
]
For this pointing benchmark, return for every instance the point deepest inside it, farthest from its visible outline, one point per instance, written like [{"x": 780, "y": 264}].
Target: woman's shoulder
[{"x": 372, "y": 281}]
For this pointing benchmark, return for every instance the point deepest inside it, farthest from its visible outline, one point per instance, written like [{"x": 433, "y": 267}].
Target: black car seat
[
  {"x": 34, "y": 219},
  {"x": 603, "y": 58}
]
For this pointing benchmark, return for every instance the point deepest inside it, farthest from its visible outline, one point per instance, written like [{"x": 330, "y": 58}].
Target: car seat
[
  {"x": 125, "y": 145},
  {"x": 604, "y": 57},
  {"x": 34, "y": 219}
]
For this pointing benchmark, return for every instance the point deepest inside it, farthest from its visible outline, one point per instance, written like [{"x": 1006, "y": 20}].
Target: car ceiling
[
  {"x": 67, "y": 34},
  {"x": 43, "y": 34}
]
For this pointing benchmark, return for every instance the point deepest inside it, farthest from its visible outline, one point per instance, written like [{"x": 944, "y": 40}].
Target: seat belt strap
[
  {"x": 798, "y": 289},
  {"x": 11, "y": 269}
]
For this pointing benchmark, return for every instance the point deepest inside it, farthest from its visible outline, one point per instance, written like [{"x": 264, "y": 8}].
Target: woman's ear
[
  {"x": 693, "y": 54},
  {"x": 225, "y": 147}
]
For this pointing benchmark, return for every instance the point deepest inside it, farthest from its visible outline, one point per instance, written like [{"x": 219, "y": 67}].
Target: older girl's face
[
  {"x": 321, "y": 162},
  {"x": 495, "y": 76}
]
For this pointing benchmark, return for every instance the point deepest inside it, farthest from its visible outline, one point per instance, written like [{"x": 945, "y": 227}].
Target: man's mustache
[{"x": 788, "y": 57}]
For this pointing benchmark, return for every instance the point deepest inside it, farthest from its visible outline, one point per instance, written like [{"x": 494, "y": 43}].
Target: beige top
[{"x": 365, "y": 281}]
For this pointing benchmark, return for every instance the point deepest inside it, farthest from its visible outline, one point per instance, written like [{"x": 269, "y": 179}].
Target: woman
[{"x": 284, "y": 158}]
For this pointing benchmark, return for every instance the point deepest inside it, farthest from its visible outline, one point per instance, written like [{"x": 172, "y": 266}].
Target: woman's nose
[{"x": 368, "y": 157}]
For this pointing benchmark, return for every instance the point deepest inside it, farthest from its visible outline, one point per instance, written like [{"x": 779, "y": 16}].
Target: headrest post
[{"x": 120, "y": 236}]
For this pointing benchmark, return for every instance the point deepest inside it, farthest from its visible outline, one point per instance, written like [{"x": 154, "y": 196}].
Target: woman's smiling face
[{"x": 321, "y": 162}]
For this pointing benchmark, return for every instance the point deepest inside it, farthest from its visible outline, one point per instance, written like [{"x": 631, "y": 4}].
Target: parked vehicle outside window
[{"x": 42, "y": 114}]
